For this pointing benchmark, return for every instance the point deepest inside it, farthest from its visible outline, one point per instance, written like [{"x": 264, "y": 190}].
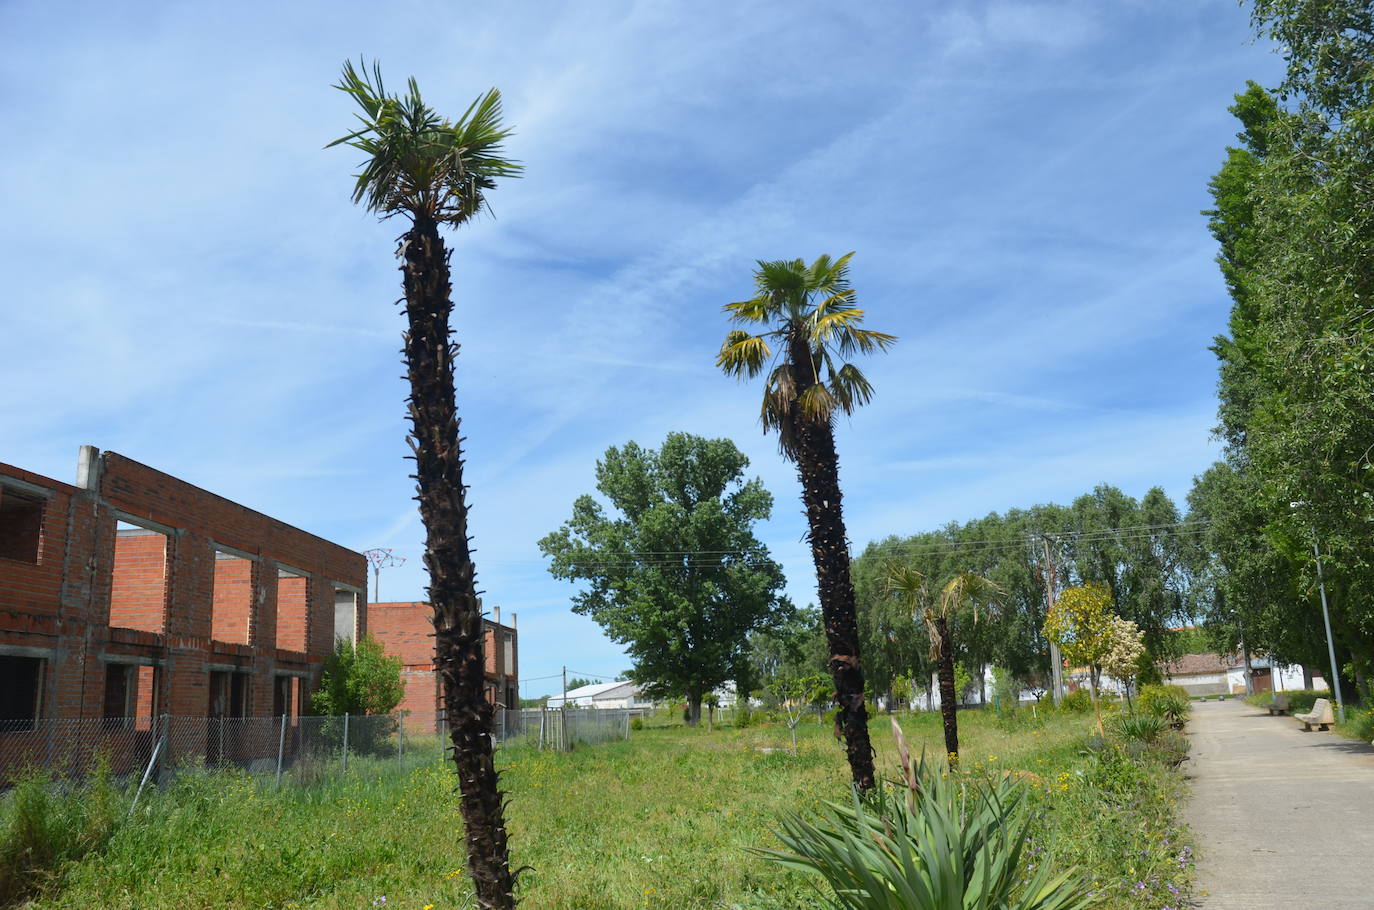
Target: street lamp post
[{"x": 1326, "y": 618}]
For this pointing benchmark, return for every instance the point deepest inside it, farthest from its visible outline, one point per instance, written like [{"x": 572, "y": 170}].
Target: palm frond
[
  {"x": 743, "y": 354},
  {"x": 755, "y": 309},
  {"x": 817, "y": 403},
  {"x": 419, "y": 163},
  {"x": 978, "y": 591},
  {"x": 863, "y": 341},
  {"x": 851, "y": 387}
]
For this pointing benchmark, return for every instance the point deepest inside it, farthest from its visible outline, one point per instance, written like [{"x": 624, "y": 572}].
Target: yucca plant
[
  {"x": 1144, "y": 727},
  {"x": 934, "y": 841}
]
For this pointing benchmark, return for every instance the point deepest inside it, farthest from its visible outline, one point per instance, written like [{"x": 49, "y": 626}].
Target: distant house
[
  {"x": 1210, "y": 674},
  {"x": 624, "y": 694},
  {"x": 406, "y": 630}
]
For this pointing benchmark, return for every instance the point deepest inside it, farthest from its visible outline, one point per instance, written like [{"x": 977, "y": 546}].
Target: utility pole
[
  {"x": 1050, "y": 574},
  {"x": 1326, "y": 618},
  {"x": 381, "y": 558}
]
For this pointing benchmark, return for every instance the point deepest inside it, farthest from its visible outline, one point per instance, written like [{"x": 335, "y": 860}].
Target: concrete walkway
[{"x": 1283, "y": 819}]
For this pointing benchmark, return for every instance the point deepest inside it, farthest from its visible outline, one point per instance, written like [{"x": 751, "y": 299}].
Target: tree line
[{"x": 1294, "y": 217}]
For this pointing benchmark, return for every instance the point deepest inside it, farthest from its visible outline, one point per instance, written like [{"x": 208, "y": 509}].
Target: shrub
[
  {"x": 1078, "y": 701},
  {"x": 1168, "y": 702},
  {"x": 636, "y": 723},
  {"x": 359, "y": 679},
  {"x": 1170, "y": 747},
  {"x": 744, "y": 717},
  {"x": 1142, "y": 727},
  {"x": 939, "y": 840}
]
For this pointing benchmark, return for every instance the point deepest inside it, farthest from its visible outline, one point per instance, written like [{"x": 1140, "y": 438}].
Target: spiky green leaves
[
  {"x": 418, "y": 163},
  {"x": 809, "y": 311}
]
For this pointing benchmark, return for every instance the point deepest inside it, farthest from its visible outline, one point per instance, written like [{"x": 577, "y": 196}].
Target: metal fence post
[
  {"x": 221, "y": 739},
  {"x": 281, "y": 747},
  {"x": 345, "y": 744},
  {"x": 401, "y": 737}
]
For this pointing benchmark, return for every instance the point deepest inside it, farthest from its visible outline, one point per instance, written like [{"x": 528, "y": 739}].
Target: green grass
[{"x": 662, "y": 820}]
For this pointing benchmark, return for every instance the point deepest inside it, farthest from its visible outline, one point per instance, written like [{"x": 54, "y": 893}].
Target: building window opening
[
  {"x": 138, "y": 583},
  {"x": 121, "y": 696},
  {"x": 21, "y": 525},
  {"x": 286, "y": 697},
  {"x": 345, "y": 614},
  {"x": 292, "y": 610},
  {"x": 21, "y": 693},
  {"x": 231, "y": 613}
]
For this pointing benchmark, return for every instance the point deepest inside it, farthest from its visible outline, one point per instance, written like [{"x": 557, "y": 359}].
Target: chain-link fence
[{"x": 301, "y": 748}]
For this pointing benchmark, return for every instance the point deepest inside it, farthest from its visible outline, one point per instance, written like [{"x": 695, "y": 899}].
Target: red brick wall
[
  {"x": 405, "y": 630},
  {"x": 232, "y": 606},
  {"x": 291, "y": 613},
  {"x": 138, "y": 590},
  {"x": 94, "y": 595}
]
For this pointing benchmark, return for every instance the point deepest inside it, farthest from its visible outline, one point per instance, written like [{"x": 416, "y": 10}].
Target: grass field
[{"x": 662, "y": 820}]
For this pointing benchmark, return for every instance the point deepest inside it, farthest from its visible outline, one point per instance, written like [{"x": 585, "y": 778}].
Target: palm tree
[
  {"x": 433, "y": 172},
  {"x": 809, "y": 314},
  {"x": 965, "y": 588}
]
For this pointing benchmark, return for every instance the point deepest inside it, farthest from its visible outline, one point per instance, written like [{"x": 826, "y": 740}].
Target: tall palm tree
[
  {"x": 435, "y": 172},
  {"x": 808, "y": 313},
  {"x": 966, "y": 588}
]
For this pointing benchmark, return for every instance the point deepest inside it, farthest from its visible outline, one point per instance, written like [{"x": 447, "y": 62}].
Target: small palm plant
[
  {"x": 932, "y": 841},
  {"x": 966, "y": 589}
]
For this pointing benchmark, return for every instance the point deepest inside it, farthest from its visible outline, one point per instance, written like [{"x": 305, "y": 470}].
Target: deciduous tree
[{"x": 673, "y": 571}]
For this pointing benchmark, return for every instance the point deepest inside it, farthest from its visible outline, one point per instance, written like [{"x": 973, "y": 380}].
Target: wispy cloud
[{"x": 193, "y": 286}]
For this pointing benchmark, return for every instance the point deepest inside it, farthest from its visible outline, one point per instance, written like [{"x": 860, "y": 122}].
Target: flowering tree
[
  {"x": 1080, "y": 622},
  {"x": 1127, "y": 646}
]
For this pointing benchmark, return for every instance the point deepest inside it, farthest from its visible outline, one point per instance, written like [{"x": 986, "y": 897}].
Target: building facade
[
  {"x": 405, "y": 629},
  {"x": 133, "y": 594}
]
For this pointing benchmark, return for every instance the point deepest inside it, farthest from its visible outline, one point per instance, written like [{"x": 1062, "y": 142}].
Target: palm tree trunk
[
  {"x": 458, "y": 631},
  {"x": 818, "y": 469},
  {"x": 949, "y": 709}
]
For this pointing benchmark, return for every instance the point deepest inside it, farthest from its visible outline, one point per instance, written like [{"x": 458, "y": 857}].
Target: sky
[{"x": 187, "y": 282}]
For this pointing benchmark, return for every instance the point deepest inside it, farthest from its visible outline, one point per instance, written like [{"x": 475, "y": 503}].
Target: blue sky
[{"x": 188, "y": 283}]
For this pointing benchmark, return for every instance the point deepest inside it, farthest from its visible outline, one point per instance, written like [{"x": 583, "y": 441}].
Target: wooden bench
[
  {"x": 1279, "y": 705},
  {"x": 1320, "y": 716}
]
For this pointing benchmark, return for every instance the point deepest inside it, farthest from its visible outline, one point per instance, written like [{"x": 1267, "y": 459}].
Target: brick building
[
  {"x": 135, "y": 594},
  {"x": 406, "y": 630}
]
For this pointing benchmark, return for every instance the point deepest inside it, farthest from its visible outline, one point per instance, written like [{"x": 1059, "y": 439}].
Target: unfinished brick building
[
  {"x": 406, "y": 630},
  {"x": 134, "y": 594}
]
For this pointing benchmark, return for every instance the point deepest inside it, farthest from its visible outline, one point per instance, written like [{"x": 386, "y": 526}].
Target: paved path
[{"x": 1272, "y": 806}]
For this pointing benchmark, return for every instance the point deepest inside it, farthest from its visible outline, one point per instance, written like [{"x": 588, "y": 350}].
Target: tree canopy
[
  {"x": 671, "y": 566},
  {"x": 1294, "y": 220}
]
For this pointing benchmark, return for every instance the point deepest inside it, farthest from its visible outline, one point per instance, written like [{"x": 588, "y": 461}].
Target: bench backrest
[{"x": 1321, "y": 710}]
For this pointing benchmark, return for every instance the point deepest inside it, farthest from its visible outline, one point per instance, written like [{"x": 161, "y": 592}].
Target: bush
[
  {"x": 1079, "y": 701},
  {"x": 937, "y": 840},
  {"x": 744, "y": 717},
  {"x": 1143, "y": 727},
  {"x": 636, "y": 723},
  {"x": 1170, "y": 747},
  {"x": 1168, "y": 702},
  {"x": 359, "y": 679}
]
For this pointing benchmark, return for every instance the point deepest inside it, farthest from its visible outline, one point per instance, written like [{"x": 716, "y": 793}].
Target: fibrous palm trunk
[
  {"x": 458, "y": 632},
  {"x": 949, "y": 709},
  {"x": 818, "y": 469}
]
